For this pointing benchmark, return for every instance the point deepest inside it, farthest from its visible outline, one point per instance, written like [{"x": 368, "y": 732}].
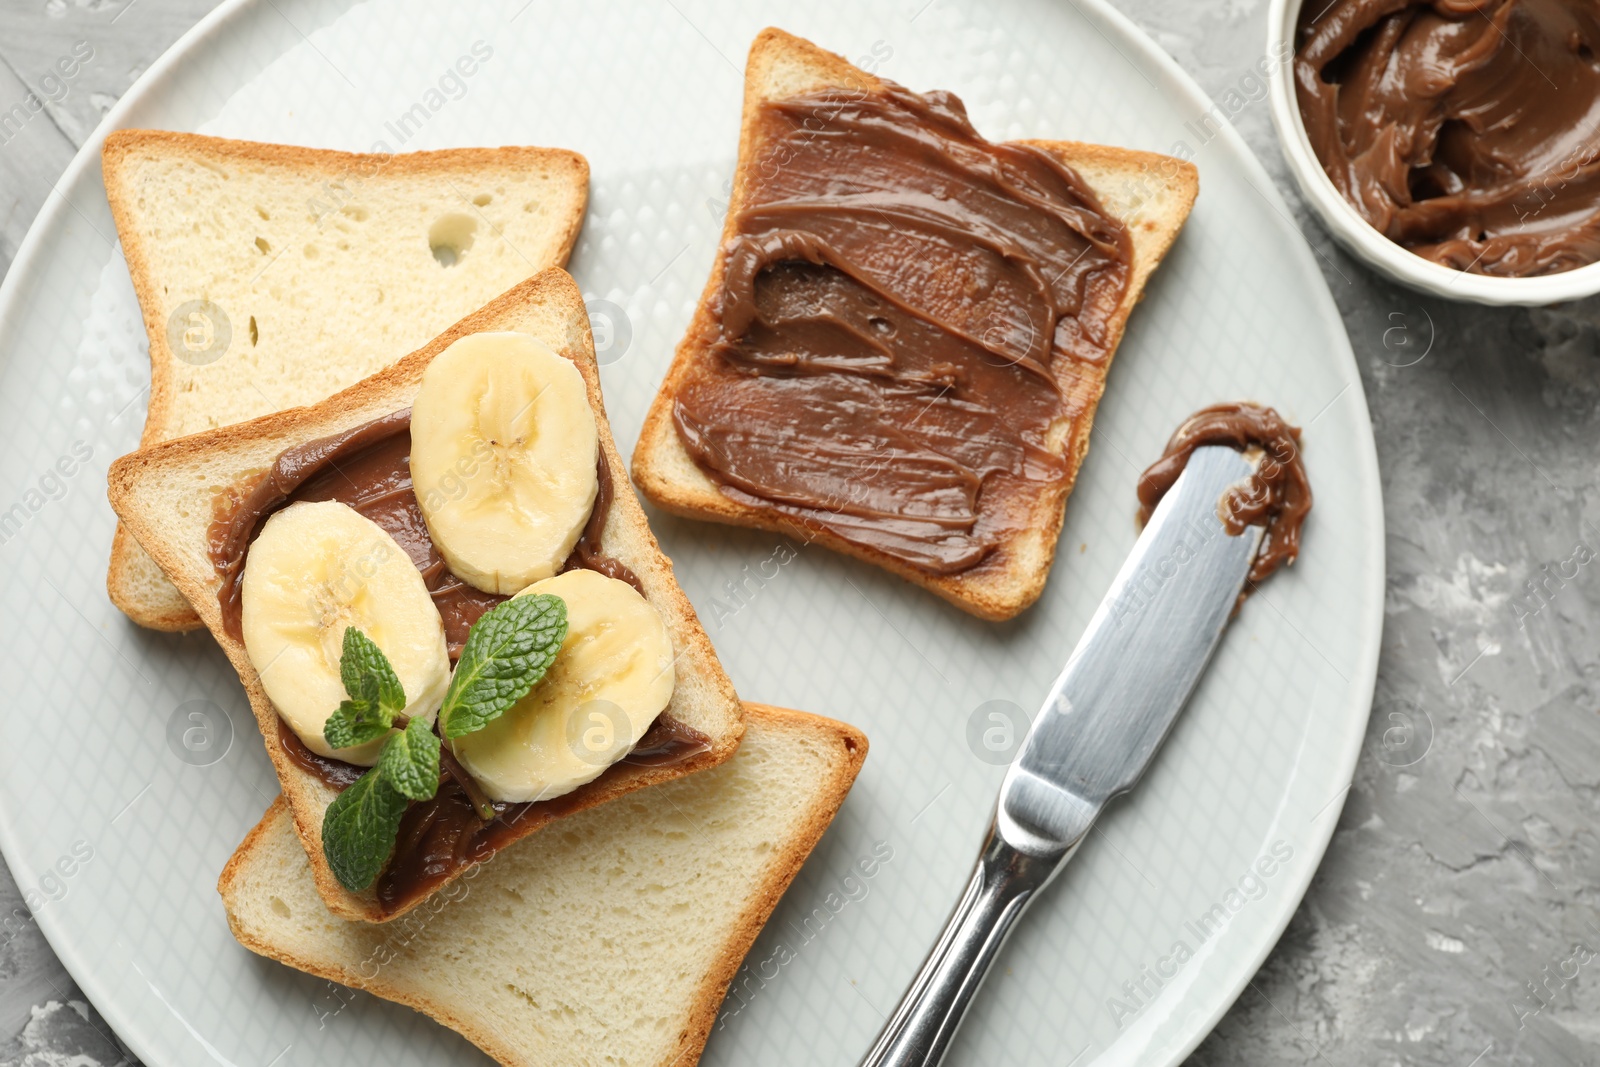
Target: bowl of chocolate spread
[{"x": 1454, "y": 145}]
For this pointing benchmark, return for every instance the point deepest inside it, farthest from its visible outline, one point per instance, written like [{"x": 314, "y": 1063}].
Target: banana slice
[
  {"x": 611, "y": 678},
  {"x": 503, "y": 451},
  {"x": 314, "y": 570}
]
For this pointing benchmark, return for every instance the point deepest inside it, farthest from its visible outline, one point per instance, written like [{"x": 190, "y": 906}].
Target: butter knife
[{"x": 1107, "y": 713}]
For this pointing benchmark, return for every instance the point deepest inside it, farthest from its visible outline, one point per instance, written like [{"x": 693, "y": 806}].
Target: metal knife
[{"x": 1105, "y": 716}]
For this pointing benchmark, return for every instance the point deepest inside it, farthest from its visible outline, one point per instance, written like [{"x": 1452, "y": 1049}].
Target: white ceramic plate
[{"x": 120, "y": 840}]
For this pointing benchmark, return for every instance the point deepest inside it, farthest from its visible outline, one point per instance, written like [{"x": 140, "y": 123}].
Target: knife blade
[{"x": 1115, "y": 701}]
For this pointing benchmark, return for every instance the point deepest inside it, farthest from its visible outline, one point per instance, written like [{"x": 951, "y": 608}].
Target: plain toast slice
[
  {"x": 612, "y": 942},
  {"x": 166, "y": 496},
  {"x": 1150, "y": 194},
  {"x": 272, "y": 276}
]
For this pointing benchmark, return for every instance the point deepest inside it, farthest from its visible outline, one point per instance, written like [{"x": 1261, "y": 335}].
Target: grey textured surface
[{"x": 1453, "y": 918}]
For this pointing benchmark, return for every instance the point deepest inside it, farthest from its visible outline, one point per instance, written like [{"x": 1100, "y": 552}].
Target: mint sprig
[
  {"x": 359, "y": 829},
  {"x": 367, "y": 675},
  {"x": 360, "y": 826},
  {"x": 410, "y": 761},
  {"x": 375, "y": 694},
  {"x": 508, "y": 651},
  {"x": 354, "y": 724}
]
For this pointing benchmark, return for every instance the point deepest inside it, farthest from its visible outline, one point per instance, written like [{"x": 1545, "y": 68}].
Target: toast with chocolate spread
[
  {"x": 272, "y": 276},
  {"x": 188, "y": 503},
  {"x": 554, "y": 950},
  {"x": 906, "y": 330}
]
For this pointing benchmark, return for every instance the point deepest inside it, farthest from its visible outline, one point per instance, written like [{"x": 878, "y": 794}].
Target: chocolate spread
[
  {"x": 1467, "y": 131},
  {"x": 586, "y": 553},
  {"x": 911, "y": 327},
  {"x": 369, "y": 468},
  {"x": 1277, "y": 495}
]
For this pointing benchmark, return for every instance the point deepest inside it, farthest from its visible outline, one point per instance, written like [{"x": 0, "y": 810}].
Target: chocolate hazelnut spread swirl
[
  {"x": 1467, "y": 131},
  {"x": 1277, "y": 496},
  {"x": 368, "y": 468},
  {"x": 911, "y": 326}
]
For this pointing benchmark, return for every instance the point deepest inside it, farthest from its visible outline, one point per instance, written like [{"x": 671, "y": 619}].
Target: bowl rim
[{"x": 1358, "y": 236}]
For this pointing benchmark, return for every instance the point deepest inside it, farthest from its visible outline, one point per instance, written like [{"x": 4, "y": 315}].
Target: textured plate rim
[{"x": 129, "y": 1025}]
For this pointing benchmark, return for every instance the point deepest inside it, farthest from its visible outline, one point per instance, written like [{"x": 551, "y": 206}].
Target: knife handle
[{"x": 1003, "y": 884}]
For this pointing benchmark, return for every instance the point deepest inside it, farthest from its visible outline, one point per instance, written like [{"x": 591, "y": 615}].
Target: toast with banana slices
[
  {"x": 170, "y": 496},
  {"x": 272, "y": 276}
]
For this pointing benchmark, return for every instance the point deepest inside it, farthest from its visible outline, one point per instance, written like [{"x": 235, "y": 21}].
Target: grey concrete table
[{"x": 1454, "y": 920}]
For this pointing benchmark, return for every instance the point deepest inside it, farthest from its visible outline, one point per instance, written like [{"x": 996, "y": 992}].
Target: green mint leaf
[
  {"x": 359, "y": 830},
  {"x": 354, "y": 723},
  {"x": 507, "y": 652},
  {"x": 367, "y": 675},
  {"x": 410, "y": 761}
]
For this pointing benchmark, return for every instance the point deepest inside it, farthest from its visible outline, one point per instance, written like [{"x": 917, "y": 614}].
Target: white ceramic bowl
[{"x": 1358, "y": 236}]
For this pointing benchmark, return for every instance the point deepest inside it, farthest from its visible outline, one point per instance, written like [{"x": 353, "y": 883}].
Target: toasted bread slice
[
  {"x": 612, "y": 942},
  {"x": 325, "y": 267},
  {"x": 1150, "y": 194},
  {"x": 165, "y": 495}
]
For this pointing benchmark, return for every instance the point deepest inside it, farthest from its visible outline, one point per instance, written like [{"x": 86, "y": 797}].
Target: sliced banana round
[
  {"x": 314, "y": 570},
  {"x": 503, "y": 452},
  {"x": 612, "y": 676}
]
